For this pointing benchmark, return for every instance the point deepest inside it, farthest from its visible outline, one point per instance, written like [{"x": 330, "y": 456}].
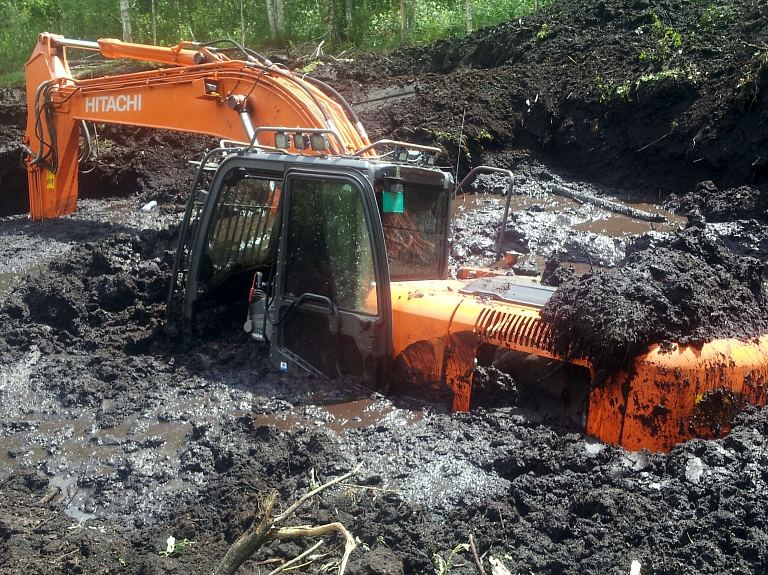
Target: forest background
[{"x": 335, "y": 26}]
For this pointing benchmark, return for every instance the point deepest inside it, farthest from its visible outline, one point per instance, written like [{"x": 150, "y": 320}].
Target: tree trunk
[
  {"x": 406, "y": 21},
  {"x": 350, "y": 14},
  {"x": 125, "y": 16},
  {"x": 280, "y": 18},
  {"x": 330, "y": 17},
  {"x": 469, "y": 17},
  {"x": 271, "y": 19},
  {"x": 154, "y": 24},
  {"x": 242, "y": 23}
]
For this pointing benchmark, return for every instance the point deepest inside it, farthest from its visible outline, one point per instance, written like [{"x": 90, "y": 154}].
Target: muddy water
[
  {"x": 5, "y": 281},
  {"x": 339, "y": 417},
  {"x": 541, "y": 225}
]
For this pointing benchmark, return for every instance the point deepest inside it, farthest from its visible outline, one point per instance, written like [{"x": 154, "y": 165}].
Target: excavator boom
[{"x": 204, "y": 92}]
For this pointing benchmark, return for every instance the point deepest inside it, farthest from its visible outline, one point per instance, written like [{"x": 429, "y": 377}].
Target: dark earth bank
[
  {"x": 645, "y": 95},
  {"x": 115, "y": 436}
]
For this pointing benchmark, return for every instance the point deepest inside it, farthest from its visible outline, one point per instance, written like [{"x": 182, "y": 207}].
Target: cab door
[{"x": 332, "y": 311}]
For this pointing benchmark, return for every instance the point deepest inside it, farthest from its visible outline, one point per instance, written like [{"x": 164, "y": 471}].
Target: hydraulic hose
[
  {"x": 246, "y": 51},
  {"x": 351, "y": 114}
]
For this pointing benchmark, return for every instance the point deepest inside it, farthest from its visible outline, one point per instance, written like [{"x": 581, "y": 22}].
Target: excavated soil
[{"x": 114, "y": 435}]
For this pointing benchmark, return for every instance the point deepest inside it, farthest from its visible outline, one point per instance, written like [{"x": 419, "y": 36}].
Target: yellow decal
[{"x": 51, "y": 180}]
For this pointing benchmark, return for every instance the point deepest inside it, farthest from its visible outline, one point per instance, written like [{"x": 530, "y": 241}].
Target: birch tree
[
  {"x": 276, "y": 18},
  {"x": 125, "y": 17},
  {"x": 407, "y": 16},
  {"x": 469, "y": 17},
  {"x": 271, "y": 19}
]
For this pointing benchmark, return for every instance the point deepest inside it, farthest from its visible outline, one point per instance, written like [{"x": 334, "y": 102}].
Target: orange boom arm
[{"x": 205, "y": 93}]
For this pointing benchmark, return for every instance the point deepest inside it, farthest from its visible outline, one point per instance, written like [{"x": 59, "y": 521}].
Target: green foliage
[
  {"x": 544, "y": 31},
  {"x": 11, "y": 80},
  {"x": 375, "y": 24},
  {"x": 442, "y": 565},
  {"x": 669, "y": 42},
  {"x": 311, "y": 66},
  {"x": 175, "y": 547},
  {"x": 715, "y": 16},
  {"x": 485, "y": 137},
  {"x": 625, "y": 89}
]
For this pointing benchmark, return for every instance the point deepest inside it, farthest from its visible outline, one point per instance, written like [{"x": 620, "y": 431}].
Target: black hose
[
  {"x": 268, "y": 65},
  {"x": 246, "y": 51},
  {"x": 335, "y": 95}
]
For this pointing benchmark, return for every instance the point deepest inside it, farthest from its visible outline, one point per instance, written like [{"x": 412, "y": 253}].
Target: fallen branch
[
  {"x": 308, "y": 531},
  {"x": 56, "y": 513},
  {"x": 287, "y": 513},
  {"x": 250, "y": 541},
  {"x": 296, "y": 559},
  {"x": 474, "y": 554},
  {"x": 265, "y": 529}
]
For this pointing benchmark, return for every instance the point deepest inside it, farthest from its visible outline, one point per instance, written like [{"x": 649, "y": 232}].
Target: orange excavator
[{"x": 342, "y": 245}]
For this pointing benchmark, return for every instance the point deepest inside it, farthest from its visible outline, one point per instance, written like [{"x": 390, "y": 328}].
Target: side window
[
  {"x": 415, "y": 238},
  {"x": 328, "y": 246},
  {"x": 240, "y": 236}
]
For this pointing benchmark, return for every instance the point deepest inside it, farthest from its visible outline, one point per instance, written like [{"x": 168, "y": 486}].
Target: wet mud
[
  {"x": 683, "y": 289},
  {"x": 115, "y": 435}
]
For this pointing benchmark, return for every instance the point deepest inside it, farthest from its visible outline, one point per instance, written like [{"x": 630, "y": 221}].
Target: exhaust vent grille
[{"x": 515, "y": 331}]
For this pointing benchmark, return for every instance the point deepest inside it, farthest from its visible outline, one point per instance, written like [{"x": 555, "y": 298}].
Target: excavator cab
[{"x": 315, "y": 243}]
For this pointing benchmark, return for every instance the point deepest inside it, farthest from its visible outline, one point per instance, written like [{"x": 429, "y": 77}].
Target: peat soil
[{"x": 115, "y": 436}]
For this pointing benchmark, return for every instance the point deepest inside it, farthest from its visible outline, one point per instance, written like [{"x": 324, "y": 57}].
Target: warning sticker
[{"x": 51, "y": 180}]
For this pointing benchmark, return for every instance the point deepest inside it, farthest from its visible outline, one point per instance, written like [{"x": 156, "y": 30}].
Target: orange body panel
[
  {"x": 672, "y": 397},
  {"x": 666, "y": 398},
  {"x": 436, "y": 332},
  {"x": 190, "y": 98}
]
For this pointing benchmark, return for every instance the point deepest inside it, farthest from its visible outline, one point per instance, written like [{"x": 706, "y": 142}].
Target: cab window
[
  {"x": 240, "y": 236},
  {"x": 328, "y": 245}
]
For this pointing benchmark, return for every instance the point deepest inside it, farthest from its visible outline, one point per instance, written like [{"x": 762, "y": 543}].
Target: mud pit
[{"x": 115, "y": 436}]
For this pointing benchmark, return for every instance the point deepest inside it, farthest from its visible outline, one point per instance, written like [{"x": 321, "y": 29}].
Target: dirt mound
[
  {"x": 111, "y": 292},
  {"x": 140, "y": 161},
  {"x": 742, "y": 203},
  {"x": 13, "y": 174},
  {"x": 653, "y": 96},
  {"x": 687, "y": 288}
]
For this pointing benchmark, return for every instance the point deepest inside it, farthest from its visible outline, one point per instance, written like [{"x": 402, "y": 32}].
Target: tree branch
[
  {"x": 287, "y": 513},
  {"x": 267, "y": 530},
  {"x": 297, "y": 558},
  {"x": 249, "y": 541},
  {"x": 309, "y": 531}
]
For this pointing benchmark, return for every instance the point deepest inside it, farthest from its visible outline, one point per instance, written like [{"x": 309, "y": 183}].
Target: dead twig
[
  {"x": 654, "y": 142},
  {"x": 55, "y": 513},
  {"x": 309, "y": 531},
  {"x": 287, "y": 513},
  {"x": 265, "y": 529},
  {"x": 297, "y": 558},
  {"x": 474, "y": 554},
  {"x": 48, "y": 497}
]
